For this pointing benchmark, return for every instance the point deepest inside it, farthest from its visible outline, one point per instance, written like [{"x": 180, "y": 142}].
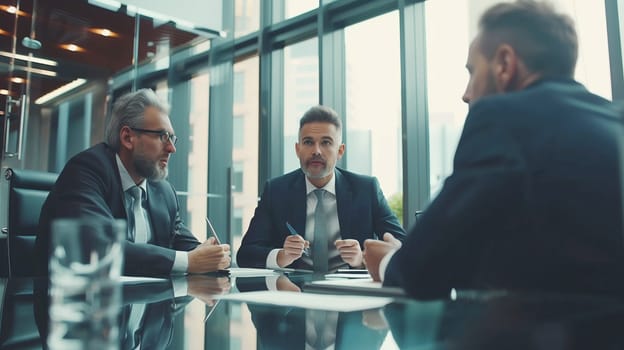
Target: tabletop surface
[{"x": 200, "y": 319}]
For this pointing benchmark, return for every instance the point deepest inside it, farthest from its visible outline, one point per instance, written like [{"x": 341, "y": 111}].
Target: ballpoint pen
[
  {"x": 211, "y": 310},
  {"x": 292, "y": 231},
  {"x": 212, "y": 230},
  {"x": 222, "y": 272}
]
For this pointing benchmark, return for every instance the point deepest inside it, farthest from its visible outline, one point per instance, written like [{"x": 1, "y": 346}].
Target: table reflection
[
  {"x": 149, "y": 310},
  {"x": 296, "y": 328},
  {"x": 157, "y": 316},
  {"x": 515, "y": 321}
]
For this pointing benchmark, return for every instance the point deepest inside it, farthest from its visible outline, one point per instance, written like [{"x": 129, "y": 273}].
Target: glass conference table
[{"x": 199, "y": 320}]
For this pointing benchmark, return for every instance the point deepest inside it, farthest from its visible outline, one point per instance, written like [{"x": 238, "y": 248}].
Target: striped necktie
[
  {"x": 320, "y": 254},
  {"x": 140, "y": 223}
]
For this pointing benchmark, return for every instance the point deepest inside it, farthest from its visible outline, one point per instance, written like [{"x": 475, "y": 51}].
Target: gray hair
[
  {"x": 128, "y": 111},
  {"x": 544, "y": 39},
  {"x": 320, "y": 114}
]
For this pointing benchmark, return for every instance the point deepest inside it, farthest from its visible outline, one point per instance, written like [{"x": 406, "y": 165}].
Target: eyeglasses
[{"x": 165, "y": 136}]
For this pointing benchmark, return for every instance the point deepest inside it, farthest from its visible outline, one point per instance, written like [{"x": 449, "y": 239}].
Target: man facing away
[
  {"x": 534, "y": 199},
  {"x": 317, "y": 217},
  {"x": 99, "y": 183}
]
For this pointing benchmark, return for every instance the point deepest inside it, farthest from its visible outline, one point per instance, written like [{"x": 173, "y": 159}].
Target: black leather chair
[
  {"x": 18, "y": 329},
  {"x": 28, "y": 189}
]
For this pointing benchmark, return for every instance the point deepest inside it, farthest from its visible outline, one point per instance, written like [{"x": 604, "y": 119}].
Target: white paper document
[
  {"x": 141, "y": 280},
  {"x": 358, "y": 286},
  {"x": 251, "y": 272},
  {"x": 348, "y": 275},
  {"x": 341, "y": 303}
]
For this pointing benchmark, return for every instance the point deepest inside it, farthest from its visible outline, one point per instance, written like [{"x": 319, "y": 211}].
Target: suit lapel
[
  {"x": 344, "y": 198},
  {"x": 157, "y": 213},
  {"x": 296, "y": 201}
]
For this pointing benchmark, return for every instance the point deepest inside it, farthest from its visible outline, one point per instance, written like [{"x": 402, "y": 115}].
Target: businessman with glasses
[{"x": 124, "y": 177}]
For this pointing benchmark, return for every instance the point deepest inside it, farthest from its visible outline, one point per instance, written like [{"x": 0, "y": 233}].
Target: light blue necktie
[
  {"x": 320, "y": 255},
  {"x": 140, "y": 224}
]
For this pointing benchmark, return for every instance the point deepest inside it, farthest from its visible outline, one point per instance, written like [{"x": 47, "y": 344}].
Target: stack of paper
[
  {"x": 251, "y": 272},
  {"x": 341, "y": 303},
  {"x": 356, "y": 286}
]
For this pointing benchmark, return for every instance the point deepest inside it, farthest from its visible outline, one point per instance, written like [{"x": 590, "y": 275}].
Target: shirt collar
[
  {"x": 126, "y": 179},
  {"x": 329, "y": 187}
]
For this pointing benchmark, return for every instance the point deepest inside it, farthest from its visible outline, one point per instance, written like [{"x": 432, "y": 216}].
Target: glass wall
[
  {"x": 245, "y": 146},
  {"x": 447, "y": 77},
  {"x": 301, "y": 91},
  {"x": 198, "y": 143},
  {"x": 293, "y": 8},
  {"x": 373, "y": 102},
  {"x": 246, "y": 17},
  {"x": 276, "y": 57}
]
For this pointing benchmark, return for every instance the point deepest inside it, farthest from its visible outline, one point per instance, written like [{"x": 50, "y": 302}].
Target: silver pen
[
  {"x": 212, "y": 230},
  {"x": 211, "y": 310}
]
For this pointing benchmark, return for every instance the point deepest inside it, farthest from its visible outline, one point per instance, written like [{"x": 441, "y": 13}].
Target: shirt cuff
[
  {"x": 271, "y": 261},
  {"x": 180, "y": 287},
  {"x": 383, "y": 264},
  {"x": 180, "y": 263},
  {"x": 271, "y": 282}
]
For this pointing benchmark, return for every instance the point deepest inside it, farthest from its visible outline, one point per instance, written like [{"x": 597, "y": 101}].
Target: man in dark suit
[
  {"x": 97, "y": 182},
  {"x": 336, "y": 207},
  {"x": 534, "y": 199}
]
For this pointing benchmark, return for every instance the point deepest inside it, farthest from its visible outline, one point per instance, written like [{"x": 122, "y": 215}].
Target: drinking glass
[{"x": 85, "y": 289}]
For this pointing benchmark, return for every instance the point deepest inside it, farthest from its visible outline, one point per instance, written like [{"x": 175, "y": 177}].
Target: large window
[
  {"x": 300, "y": 92},
  {"x": 297, "y": 7},
  {"x": 245, "y": 151},
  {"x": 446, "y": 76},
  {"x": 197, "y": 160},
  {"x": 373, "y": 101},
  {"x": 246, "y": 17}
]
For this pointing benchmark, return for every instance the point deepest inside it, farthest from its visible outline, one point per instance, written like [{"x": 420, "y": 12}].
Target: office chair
[
  {"x": 28, "y": 189},
  {"x": 18, "y": 328}
]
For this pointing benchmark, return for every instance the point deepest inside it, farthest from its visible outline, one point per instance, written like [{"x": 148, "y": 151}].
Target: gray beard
[
  {"x": 149, "y": 170},
  {"x": 311, "y": 176}
]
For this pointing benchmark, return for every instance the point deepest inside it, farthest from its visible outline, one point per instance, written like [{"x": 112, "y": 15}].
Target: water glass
[{"x": 85, "y": 289}]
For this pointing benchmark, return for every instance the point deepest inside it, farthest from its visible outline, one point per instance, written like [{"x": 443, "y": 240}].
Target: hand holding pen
[
  {"x": 294, "y": 247},
  {"x": 306, "y": 249},
  {"x": 208, "y": 256}
]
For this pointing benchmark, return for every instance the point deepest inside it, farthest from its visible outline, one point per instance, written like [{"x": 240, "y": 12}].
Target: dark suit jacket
[
  {"x": 362, "y": 213},
  {"x": 533, "y": 202},
  {"x": 156, "y": 329},
  {"x": 285, "y": 328},
  {"x": 90, "y": 186}
]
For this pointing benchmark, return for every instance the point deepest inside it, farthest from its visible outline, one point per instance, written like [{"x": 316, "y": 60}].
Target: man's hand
[
  {"x": 205, "y": 287},
  {"x": 350, "y": 251},
  {"x": 209, "y": 257},
  {"x": 292, "y": 250},
  {"x": 285, "y": 284},
  {"x": 375, "y": 250},
  {"x": 374, "y": 319}
]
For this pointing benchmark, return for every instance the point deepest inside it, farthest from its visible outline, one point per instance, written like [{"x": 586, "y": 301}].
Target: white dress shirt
[
  {"x": 180, "y": 263},
  {"x": 333, "y": 225}
]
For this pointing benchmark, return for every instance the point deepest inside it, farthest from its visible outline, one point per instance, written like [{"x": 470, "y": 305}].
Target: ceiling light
[
  {"x": 4, "y": 32},
  {"x": 13, "y": 10},
  {"x": 104, "y": 32},
  {"x": 60, "y": 91},
  {"x": 1, "y": 112},
  {"x": 4, "y": 92},
  {"x": 28, "y": 69},
  {"x": 72, "y": 47},
  {"x": 28, "y": 58},
  {"x": 18, "y": 80},
  {"x": 37, "y": 71}
]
